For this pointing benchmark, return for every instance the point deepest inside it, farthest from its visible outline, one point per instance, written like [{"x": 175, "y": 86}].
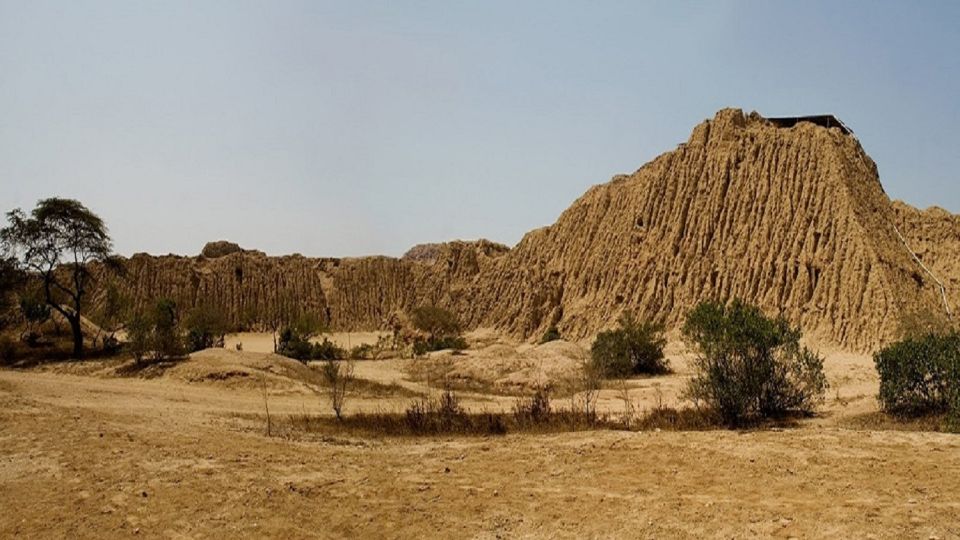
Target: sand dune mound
[
  {"x": 503, "y": 368},
  {"x": 241, "y": 369}
]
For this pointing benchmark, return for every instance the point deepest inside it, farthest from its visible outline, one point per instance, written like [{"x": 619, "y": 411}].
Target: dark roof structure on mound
[{"x": 824, "y": 120}]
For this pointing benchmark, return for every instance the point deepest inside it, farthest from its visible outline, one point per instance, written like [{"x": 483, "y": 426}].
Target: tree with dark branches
[
  {"x": 57, "y": 241},
  {"x": 11, "y": 280}
]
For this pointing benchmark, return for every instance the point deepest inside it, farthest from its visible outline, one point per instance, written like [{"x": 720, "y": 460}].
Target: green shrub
[
  {"x": 156, "y": 333},
  {"x": 750, "y": 367},
  {"x": 139, "y": 332},
  {"x": 920, "y": 375},
  {"x": 441, "y": 327},
  {"x": 632, "y": 349},
  {"x": 552, "y": 334},
  {"x": 293, "y": 345},
  {"x": 35, "y": 312},
  {"x": 206, "y": 326},
  {"x": 328, "y": 350},
  {"x": 111, "y": 315},
  {"x": 167, "y": 336}
]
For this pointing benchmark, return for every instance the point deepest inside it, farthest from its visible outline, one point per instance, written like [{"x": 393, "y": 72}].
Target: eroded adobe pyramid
[{"x": 791, "y": 218}]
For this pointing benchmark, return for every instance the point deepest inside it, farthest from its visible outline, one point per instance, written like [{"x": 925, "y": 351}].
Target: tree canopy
[{"x": 57, "y": 240}]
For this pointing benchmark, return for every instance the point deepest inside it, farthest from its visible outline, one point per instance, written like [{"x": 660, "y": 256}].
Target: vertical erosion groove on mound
[{"x": 793, "y": 219}]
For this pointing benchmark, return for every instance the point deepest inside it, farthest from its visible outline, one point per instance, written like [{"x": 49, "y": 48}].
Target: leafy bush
[
  {"x": 35, "y": 312},
  {"x": 328, "y": 350},
  {"x": 293, "y": 345},
  {"x": 111, "y": 316},
  {"x": 552, "y": 334},
  {"x": 441, "y": 327},
  {"x": 206, "y": 326},
  {"x": 139, "y": 332},
  {"x": 156, "y": 333},
  {"x": 167, "y": 337},
  {"x": 749, "y": 366},
  {"x": 920, "y": 375},
  {"x": 295, "y": 341},
  {"x": 632, "y": 349}
]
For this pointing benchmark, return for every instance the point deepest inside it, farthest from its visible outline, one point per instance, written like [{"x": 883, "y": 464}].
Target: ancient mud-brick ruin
[{"x": 788, "y": 213}]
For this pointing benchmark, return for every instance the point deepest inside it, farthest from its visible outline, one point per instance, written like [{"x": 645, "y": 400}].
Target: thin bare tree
[{"x": 338, "y": 375}]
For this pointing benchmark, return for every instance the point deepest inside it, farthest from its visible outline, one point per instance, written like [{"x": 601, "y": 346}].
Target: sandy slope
[{"x": 99, "y": 457}]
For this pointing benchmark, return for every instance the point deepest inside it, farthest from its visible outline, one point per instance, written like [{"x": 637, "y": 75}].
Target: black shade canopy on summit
[{"x": 825, "y": 120}]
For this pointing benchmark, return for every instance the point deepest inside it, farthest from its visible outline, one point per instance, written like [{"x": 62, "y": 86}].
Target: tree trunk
[{"x": 77, "y": 336}]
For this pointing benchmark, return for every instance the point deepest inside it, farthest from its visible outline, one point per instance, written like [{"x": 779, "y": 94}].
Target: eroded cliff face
[
  {"x": 934, "y": 235},
  {"x": 259, "y": 291},
  {"x": 793, "y": 219}
]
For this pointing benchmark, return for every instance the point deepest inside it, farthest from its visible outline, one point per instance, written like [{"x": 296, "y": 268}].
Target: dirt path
[{"x": 87, "y": 457}]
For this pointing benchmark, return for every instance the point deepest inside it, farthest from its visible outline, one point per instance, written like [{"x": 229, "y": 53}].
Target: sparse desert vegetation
[
  {"x": 438, "y": 329},
  {"x": 414, "y": 270},
  {"x": 199, "y": 427},
  {"x": 253, "y": 409},
  {"x": 633, "y": 348},
  {"x": 920, "y": 376},
  {"x": 750, "y": 367}
]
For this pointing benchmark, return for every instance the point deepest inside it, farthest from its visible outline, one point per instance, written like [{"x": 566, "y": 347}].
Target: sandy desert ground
[{"x": 183, "y": 454}]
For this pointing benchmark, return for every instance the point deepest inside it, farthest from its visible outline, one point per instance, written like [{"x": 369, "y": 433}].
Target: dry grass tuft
[{"x": 530, "y": 415}]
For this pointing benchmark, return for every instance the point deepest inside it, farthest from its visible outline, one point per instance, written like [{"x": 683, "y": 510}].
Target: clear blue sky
[{"x": 353, "y": 128}]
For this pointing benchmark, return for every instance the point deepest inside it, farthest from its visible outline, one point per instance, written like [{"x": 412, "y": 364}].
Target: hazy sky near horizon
[{"x": 356, "y": 128}]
